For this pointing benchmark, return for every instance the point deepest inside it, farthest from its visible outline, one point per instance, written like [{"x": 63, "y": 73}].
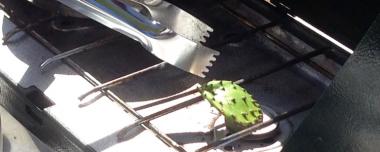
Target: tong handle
[{"x": 124, "y": 11}]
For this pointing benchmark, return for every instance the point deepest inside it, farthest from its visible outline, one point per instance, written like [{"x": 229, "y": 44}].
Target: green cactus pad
[{"x": 234, "y": 102}]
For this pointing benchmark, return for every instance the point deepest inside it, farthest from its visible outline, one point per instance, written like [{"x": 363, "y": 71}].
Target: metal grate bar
[
  {"x": 243, "y": 133},
  {"x": 77, "y": 50},
  {"x": 119, "y": 80},
  {"x": 166, "y": 111}
]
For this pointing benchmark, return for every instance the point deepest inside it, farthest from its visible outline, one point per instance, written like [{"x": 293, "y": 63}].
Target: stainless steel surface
[
  {"x": 176, "y": 19},
  {"x": 127, "y": 13},
  {"x": 173, "y": 48},
  {"x": 160, "y": 11},
  {"x": 156, "y": 15}
]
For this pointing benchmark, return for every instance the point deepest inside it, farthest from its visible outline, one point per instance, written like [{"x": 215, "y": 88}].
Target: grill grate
[{"x": 236, "y": 39}]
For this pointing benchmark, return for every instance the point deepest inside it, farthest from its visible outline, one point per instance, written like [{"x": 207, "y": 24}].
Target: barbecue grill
[{"x": 89, "y": 88}]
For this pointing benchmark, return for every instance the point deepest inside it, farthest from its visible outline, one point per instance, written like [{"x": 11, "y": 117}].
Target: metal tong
[
  {"x": 175, "y": 19},
  {"x": 163, "y": 29}
]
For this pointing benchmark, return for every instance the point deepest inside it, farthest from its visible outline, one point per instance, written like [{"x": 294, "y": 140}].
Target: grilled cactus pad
[{"x": 234, "y": 102}]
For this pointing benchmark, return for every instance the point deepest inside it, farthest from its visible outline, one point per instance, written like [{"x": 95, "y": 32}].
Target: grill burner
[{"x": 253, "y": 59}]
